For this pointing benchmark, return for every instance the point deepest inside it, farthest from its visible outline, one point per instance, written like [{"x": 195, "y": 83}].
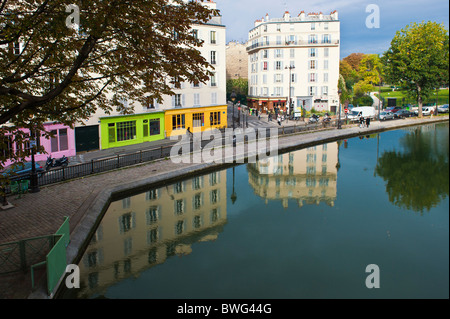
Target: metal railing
[{"x": 20, "y": 255}]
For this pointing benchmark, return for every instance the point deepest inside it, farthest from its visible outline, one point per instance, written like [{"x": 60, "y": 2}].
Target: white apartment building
[{"x": 296, "y": 59}]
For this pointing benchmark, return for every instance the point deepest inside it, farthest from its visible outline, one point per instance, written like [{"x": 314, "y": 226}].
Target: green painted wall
[{"x": 114, "y": 132}]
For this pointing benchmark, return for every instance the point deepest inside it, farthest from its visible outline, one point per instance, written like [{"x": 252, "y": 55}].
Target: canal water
[{"x": 303, "y": 224}]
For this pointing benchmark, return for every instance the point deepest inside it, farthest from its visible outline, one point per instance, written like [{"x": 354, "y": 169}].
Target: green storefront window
[
  {"x": 126, "y": 131},
  {"x": 111, "y": 132},
  {"x": 154, "y": 127},
  {"x": 145, "y": 129}
]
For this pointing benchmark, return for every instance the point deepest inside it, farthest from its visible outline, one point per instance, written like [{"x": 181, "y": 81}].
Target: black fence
[{"x": 61, "y": 174}]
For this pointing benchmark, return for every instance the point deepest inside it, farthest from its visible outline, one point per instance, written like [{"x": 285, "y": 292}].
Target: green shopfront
[{"x": 131, "y": 129}]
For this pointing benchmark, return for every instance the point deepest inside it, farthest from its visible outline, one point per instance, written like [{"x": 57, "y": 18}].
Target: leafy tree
[
  {"x": 418, "y": 59},
  {"x": 122, "y": 49},
  {"x": 350, "y": 75},
  {"x": 417, "y": 178},
  {"x": 354, "y": 60},
  {"x": 345, "y": 94},
  {"x": 240, "y": 87}
]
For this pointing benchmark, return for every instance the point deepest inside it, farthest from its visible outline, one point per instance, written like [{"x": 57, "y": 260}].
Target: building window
[
  {"x": 278, "y": 53},
  {"x": 312, "y": 65},
  {"x": 278, "y": 40},
  {"x": 195, "y": 34},
  {"x": 197, "y": 201},
  {"x": 197, "y": 182},
  {"x": 178, "y": 188},
  {"x": 214, "y": 196},
  {"x": 179, "y": 206},
  {"x": 324, "y": 90},
  {"x": 7, "y": 146},
  {"x": 278, "y": 65},
  {"x": 325, "y": 77},
  {"x": 213, "y": 37},
  {"x": 278, "y": 78},
  {"x": 265, "y": 54},
  {"x": 196, "y": 99},
  {"x": 213, "y": 80},
  {"x": 198, "y": 119},
  {"x": 278, "y": 27},
  {"x": 312, "y": 90},
  {"x": 326, "y": 52},
  {"x": 213, "y": 57},
  {"x": 126, "y": 131},
  {"x": 325, "y": 25},
  {"x": 292, "y": 55},
  {"x": 313, "y": 26},
  {"x": 325, "y": 64},
  {"x": 178, "y": 122},
  {"x": 312, "y": 52},
  {"x": 126, "y": 223},
  {"x": 176, "y": 100},
  {"x": 179, "y": 227},
  {"x": 312, "y": 38},
  {"x": 326, "y": 38},
  {"x": 152, "y": 215},
  {"x": 312, "y": 77},
  {"x": 214, "y": 98},
  {"x": 215, "y": 118},
  {"x": 59, "y": 141},
  {"x": 111, "y": 132},
  {"x": 155, "y": 127},
  {"x": 265, "y": 64}
]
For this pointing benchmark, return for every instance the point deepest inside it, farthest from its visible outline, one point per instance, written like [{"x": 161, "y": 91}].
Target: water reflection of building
[
  {"x": 308, "y": 176},
  {"x": 142, "y": 231}
]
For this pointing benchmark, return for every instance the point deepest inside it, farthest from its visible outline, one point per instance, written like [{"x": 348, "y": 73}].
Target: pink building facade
[{"x": 63, "y": 143}]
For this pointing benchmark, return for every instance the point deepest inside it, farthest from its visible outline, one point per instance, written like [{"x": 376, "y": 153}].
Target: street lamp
[
  {"x": 233, "y": 98},
  {"x": 291, "y": 67},
  {"x": 34, "y": 185},
  {"x": 339, "y": 120}
]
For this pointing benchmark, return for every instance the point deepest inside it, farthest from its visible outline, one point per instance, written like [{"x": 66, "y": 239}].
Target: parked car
[
  {"x": 426, "y": 110},
  {"x": 403, "y": 114},
  {"x": 443, "y": 108},
  {"x": 21, "y": 171},
  {"x": 394, "y": 109},
  {"x": 386, "y": 115}
]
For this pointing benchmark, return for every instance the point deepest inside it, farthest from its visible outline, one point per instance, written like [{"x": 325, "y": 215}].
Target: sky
[{"x": 239, "y": 17}]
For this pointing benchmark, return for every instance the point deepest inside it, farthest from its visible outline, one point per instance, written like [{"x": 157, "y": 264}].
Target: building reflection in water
[
  {"x": 142, "y": 231},
  {"x": 308, "y": 176}
]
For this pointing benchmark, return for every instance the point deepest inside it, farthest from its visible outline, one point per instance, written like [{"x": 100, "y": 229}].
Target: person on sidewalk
[{"x": 367, "y": 122}]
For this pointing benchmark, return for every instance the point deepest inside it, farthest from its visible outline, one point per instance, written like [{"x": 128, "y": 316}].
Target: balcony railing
[{"x": 260, "y": 45}]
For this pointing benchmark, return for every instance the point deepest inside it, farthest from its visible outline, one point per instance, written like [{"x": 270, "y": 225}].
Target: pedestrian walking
[
  {"x": 367, "y": 122},
  {"x": 361, "y": 122}
]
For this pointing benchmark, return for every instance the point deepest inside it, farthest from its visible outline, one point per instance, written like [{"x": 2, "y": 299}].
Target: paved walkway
[{"x": 84, "y": 199}]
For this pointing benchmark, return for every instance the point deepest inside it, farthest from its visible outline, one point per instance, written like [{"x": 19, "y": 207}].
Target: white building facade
[{"x": 294, "y": 59}]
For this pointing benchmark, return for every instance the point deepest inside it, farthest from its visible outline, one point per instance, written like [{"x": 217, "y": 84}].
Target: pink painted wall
[{"x": 68, "y": 148}]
